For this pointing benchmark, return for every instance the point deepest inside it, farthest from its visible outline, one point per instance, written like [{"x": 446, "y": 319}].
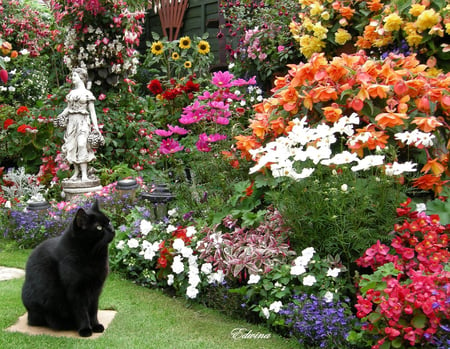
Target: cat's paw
[
  {"x": 85, "y": 332},
  {"x": 98, "y": 328}
]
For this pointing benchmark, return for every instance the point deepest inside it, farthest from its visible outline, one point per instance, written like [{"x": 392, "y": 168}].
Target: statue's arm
[{"x": 93, "y": 115}]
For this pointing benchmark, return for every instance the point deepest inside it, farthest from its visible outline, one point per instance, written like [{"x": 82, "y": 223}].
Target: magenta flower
[
  {"x": 242, "y": 82},
  {"x": 222, "y": 79},
  {"x": 212, "y": 138},
  {"x": 203, "y": 146},
  {"x": 170, "y": 146},
  {"x": 178, "y": 130},
  {"x": 222, "y": 120},
  {"x": 192, "y": 113},
  {"x": 163, "y": 133}
]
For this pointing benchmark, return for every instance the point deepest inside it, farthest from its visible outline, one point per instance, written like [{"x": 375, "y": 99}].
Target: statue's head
[{"x": 82, "y": 73}]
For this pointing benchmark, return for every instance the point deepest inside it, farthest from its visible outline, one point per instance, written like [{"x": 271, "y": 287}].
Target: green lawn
[{"x": 145, "y": 319}]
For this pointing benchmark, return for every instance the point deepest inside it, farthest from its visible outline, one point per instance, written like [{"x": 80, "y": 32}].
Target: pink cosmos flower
[
  {"x": 170, "y": 146},
  {"x": 212, "y": 138},
  {"x": 222, "y": 79},
  {"x": 203, "y": 146},
  {"x": 163, "y": 133},
  {"x": 178, "y": 130}
]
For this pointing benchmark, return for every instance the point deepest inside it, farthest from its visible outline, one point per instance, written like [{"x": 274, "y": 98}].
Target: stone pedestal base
[{"x": 73, "y": 188}]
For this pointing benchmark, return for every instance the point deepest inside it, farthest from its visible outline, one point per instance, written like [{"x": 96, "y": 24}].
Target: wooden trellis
[{"x": 171, "y": 13}]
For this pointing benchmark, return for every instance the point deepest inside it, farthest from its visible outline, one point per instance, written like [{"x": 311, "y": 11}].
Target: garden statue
[{"x": 81, "y": 135}]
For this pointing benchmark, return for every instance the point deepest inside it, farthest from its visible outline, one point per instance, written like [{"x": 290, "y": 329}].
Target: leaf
[
  {"x": 419, "y": 321},
  {"x": 374, "y": 317},
  {"x": 397, "y": 342}
]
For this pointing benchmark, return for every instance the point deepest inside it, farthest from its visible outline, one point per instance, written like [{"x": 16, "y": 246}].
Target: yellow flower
[
  {"x": 203, "y": 47},
  {"x": 447, "y": 28},
  {"x": 320, "y": 31},
  {"x": 188, "y": 64},
  {"x": 414, "y": 39},
  {"x": 342, "y": 36},
  {"x": 157, "y": 48},
  {"x": 326, "y": 15},
  {"x": 310, "y": 44},
  {"x": 392, "y": 22},
  {"x": 427, "y": 19},
  {"x": 307, "y": 24},
  {"x": 185, "y": 42},
  {"x": 316, "y": 9},
  {"x": 409, "y": 28},
  {"x": 416, "y": 9},
  {"x": 175, "y": 56}
]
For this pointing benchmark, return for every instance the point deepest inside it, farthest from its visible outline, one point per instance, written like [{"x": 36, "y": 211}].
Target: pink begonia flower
[
  {"x": 178, "y": 130},
  {"x": 222, "y": 79},
  {"x": 101, "y": 96},
  {"x": 170, "y": 146},
  {"x": 163, "y": 133},
  {"x": 280, "y": 48}
]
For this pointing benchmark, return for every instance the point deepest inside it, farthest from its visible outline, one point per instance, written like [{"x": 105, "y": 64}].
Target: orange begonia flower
[
  {"x": 346, "y": 12},
  {"x": 260, "y": 125},
  {"x": 377, "y": 90},
  {"x": 278, "y": 126},
  {"x": 434, "y": 166},
  {"x": 324, "y": 94},
  {"x": 390, "y": 119},
  {"x": 374, "y": 5},
  {"x": 426, "y": 123},
  {"x": 429, "y": 182},
  {"x": 246, "y": 143},
  {"x": 289, "y": 99},
  {"x": 332, "y": 114}
]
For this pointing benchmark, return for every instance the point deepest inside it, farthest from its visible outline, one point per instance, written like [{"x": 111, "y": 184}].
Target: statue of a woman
[{"x": 80, "y": 121}]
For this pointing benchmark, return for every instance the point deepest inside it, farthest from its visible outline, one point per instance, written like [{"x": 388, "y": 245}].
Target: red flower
[
  {"x": 22, "y": 110},
  {"x": 7, "y": 123},
  {"x": 4, "y": 76},
  {"x": 155, "y": 87},
  {"x": 25, "y": 128}
]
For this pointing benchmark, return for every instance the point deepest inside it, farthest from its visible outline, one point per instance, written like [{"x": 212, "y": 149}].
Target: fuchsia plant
[{"x": 406, "y": 300}]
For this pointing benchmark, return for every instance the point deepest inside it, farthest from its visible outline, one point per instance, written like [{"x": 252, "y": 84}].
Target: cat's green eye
[{"x": 99, "y": 227}]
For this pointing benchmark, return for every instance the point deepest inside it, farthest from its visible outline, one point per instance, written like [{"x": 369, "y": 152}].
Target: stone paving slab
[
  {"x": 105, "y": 317},
  {"x": 10, "y": 273}
]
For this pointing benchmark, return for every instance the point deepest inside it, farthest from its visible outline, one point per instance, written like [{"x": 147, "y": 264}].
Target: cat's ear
[
  {"x": 96, "y": 206},
  {"x": 81, "y": 219}
]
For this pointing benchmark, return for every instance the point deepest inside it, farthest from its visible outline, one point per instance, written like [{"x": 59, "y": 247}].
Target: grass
[{"x": 145, "y": 319}]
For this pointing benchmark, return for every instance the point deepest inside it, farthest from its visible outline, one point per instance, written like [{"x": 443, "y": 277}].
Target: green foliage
[
  {"x": 338, "y": 212},
  {"x": 177, "y": 59},
  {"x": 440, "y": 207}
]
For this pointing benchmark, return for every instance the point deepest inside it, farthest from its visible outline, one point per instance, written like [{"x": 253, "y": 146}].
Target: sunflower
[
  {"x": 187, "y": 64},
  {"x": 203, "y": 47},
  {"x": 185, "y": 42},
  {"x": 175, "y": 56},
  {"x": 157, "y": 48}
]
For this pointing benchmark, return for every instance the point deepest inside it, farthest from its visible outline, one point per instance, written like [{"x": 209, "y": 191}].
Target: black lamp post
[
  {"x": 159, "y": 197},
  {"x": 127, "y": 188}
]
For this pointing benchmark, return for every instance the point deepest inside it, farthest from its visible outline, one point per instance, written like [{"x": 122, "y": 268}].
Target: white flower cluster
[
  {"x": 99, "y": 52},
  {"x": 184, "y": 259},
  {"x": 314, "y": 144}
]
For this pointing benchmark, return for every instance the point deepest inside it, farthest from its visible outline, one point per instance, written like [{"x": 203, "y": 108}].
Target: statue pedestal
[{"x": 72, "y": 188}]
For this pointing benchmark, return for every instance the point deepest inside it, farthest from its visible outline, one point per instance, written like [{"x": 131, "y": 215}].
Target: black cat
[{"x": 65, "y": 275}]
